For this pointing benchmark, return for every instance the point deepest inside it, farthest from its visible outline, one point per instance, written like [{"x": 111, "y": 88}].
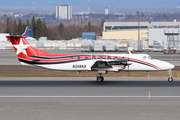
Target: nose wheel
[
  {"x": 170, "y": 79},
  {"x": 100, "y": 78}
]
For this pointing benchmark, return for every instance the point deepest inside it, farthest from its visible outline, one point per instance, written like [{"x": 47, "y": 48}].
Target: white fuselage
[{"x": 139, "y": 62}]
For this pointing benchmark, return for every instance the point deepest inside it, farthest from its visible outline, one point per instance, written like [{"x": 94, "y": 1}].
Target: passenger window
[
  {"x": 109, "y": 57},
  {"x": 116, "y": 58},
  {"x": 71, "y": 58},
  {"x": 101, "y": 58},
  {"x": 123, "y": 58},
  {"x": 93, "y": 57}
]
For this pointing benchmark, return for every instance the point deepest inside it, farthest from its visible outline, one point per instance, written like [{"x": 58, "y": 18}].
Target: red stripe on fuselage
[
  {"x": 119, "y": 67},
  {"x": 144, "y": 62},
  {"x": 61, "y": 55},
  {"x": 82, "y": 57}
]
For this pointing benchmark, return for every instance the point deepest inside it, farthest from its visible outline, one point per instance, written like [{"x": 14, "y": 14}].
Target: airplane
[
  {"x": 102, "y": 63},
  {"x": 29, "y": 33}
]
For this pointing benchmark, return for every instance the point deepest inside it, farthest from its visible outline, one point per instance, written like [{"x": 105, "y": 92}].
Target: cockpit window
[
  {"x": 150, "y": 58},
  {"x": 145, "y": 58}
]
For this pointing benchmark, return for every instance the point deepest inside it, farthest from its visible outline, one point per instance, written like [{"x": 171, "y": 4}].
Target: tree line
[
  {"x": 72, "y": 31},
  {"x": 60, "y": 31},
  {"x": 18, "y": 27}
]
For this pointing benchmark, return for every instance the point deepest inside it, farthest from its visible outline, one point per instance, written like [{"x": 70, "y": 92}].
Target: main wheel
[
  {"x": 100, "y": 79},
  {"x": 170, "y": 79}
]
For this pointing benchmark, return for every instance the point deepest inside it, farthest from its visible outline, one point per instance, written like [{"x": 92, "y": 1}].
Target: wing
[{"x": 110, "y": 65}]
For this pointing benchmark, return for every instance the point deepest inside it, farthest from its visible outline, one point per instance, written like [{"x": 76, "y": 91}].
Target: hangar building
[{"x": 151, "y": 31}]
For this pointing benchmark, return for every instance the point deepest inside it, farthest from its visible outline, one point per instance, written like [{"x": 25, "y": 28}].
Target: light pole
[{"x": 138, "y": 33}]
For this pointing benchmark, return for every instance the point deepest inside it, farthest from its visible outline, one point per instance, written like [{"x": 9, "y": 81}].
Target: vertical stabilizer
[
  {"x": 28, "y": 32},
  {"x": 23, "y": 48}
]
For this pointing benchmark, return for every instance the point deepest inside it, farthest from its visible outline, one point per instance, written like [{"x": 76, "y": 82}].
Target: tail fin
[
  {"x": 28, "y": 32},
  {"x": 23, "y": 48}
]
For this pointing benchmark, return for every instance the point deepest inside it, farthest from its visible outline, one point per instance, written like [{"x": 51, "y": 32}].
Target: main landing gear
[
  {"x": 100, "y": 78},
  {"x": 170, "y": 79}
]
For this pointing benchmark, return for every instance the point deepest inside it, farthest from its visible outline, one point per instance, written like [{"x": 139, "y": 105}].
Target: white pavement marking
[{"x": 89, "y": 96}]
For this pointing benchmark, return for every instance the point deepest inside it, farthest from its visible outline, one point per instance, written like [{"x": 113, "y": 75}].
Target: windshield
[
  {"x": 150, "y": 58},
  {"x": 147, "y": 58}
]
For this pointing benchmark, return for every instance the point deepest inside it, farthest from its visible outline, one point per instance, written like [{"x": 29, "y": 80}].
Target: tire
[
  {"x": 170, "y": 79},
  {"x": 100, "y": 79}
]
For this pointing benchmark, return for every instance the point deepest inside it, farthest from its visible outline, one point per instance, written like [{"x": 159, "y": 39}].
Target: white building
[
  {"x": 106, "y": 10},
  {"x": 64, "y": 12},
  {"x": 153, "y": 31},
  {"x": 3, "y": 37}
]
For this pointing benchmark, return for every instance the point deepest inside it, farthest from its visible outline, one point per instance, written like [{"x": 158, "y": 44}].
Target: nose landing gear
[{"x": 170, "y": 79}]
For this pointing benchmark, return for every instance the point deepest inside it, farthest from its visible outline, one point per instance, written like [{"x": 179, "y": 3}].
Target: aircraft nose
[
  {"x": 170, "y": 66},
  {"x": 167, "y": 66}
]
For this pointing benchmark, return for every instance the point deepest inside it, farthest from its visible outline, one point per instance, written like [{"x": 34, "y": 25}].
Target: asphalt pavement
[
  {"x": 88, "y": 91},
  {"x": 83, "y": 98}
]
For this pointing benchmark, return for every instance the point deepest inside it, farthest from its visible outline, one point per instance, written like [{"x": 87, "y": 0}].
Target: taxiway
[
  {"x": 112, "y": 91},
  {"x": 83, "y": 98}
]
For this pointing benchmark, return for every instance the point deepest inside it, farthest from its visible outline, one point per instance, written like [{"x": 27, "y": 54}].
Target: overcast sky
[{"x": 92, "y": 2}]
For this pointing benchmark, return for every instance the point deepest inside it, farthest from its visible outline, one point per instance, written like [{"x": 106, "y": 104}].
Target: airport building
[
  {"x": 64, "y": 12},
  {"x": 3, "y": 37},
  {"x": 151, "y": 31}
]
